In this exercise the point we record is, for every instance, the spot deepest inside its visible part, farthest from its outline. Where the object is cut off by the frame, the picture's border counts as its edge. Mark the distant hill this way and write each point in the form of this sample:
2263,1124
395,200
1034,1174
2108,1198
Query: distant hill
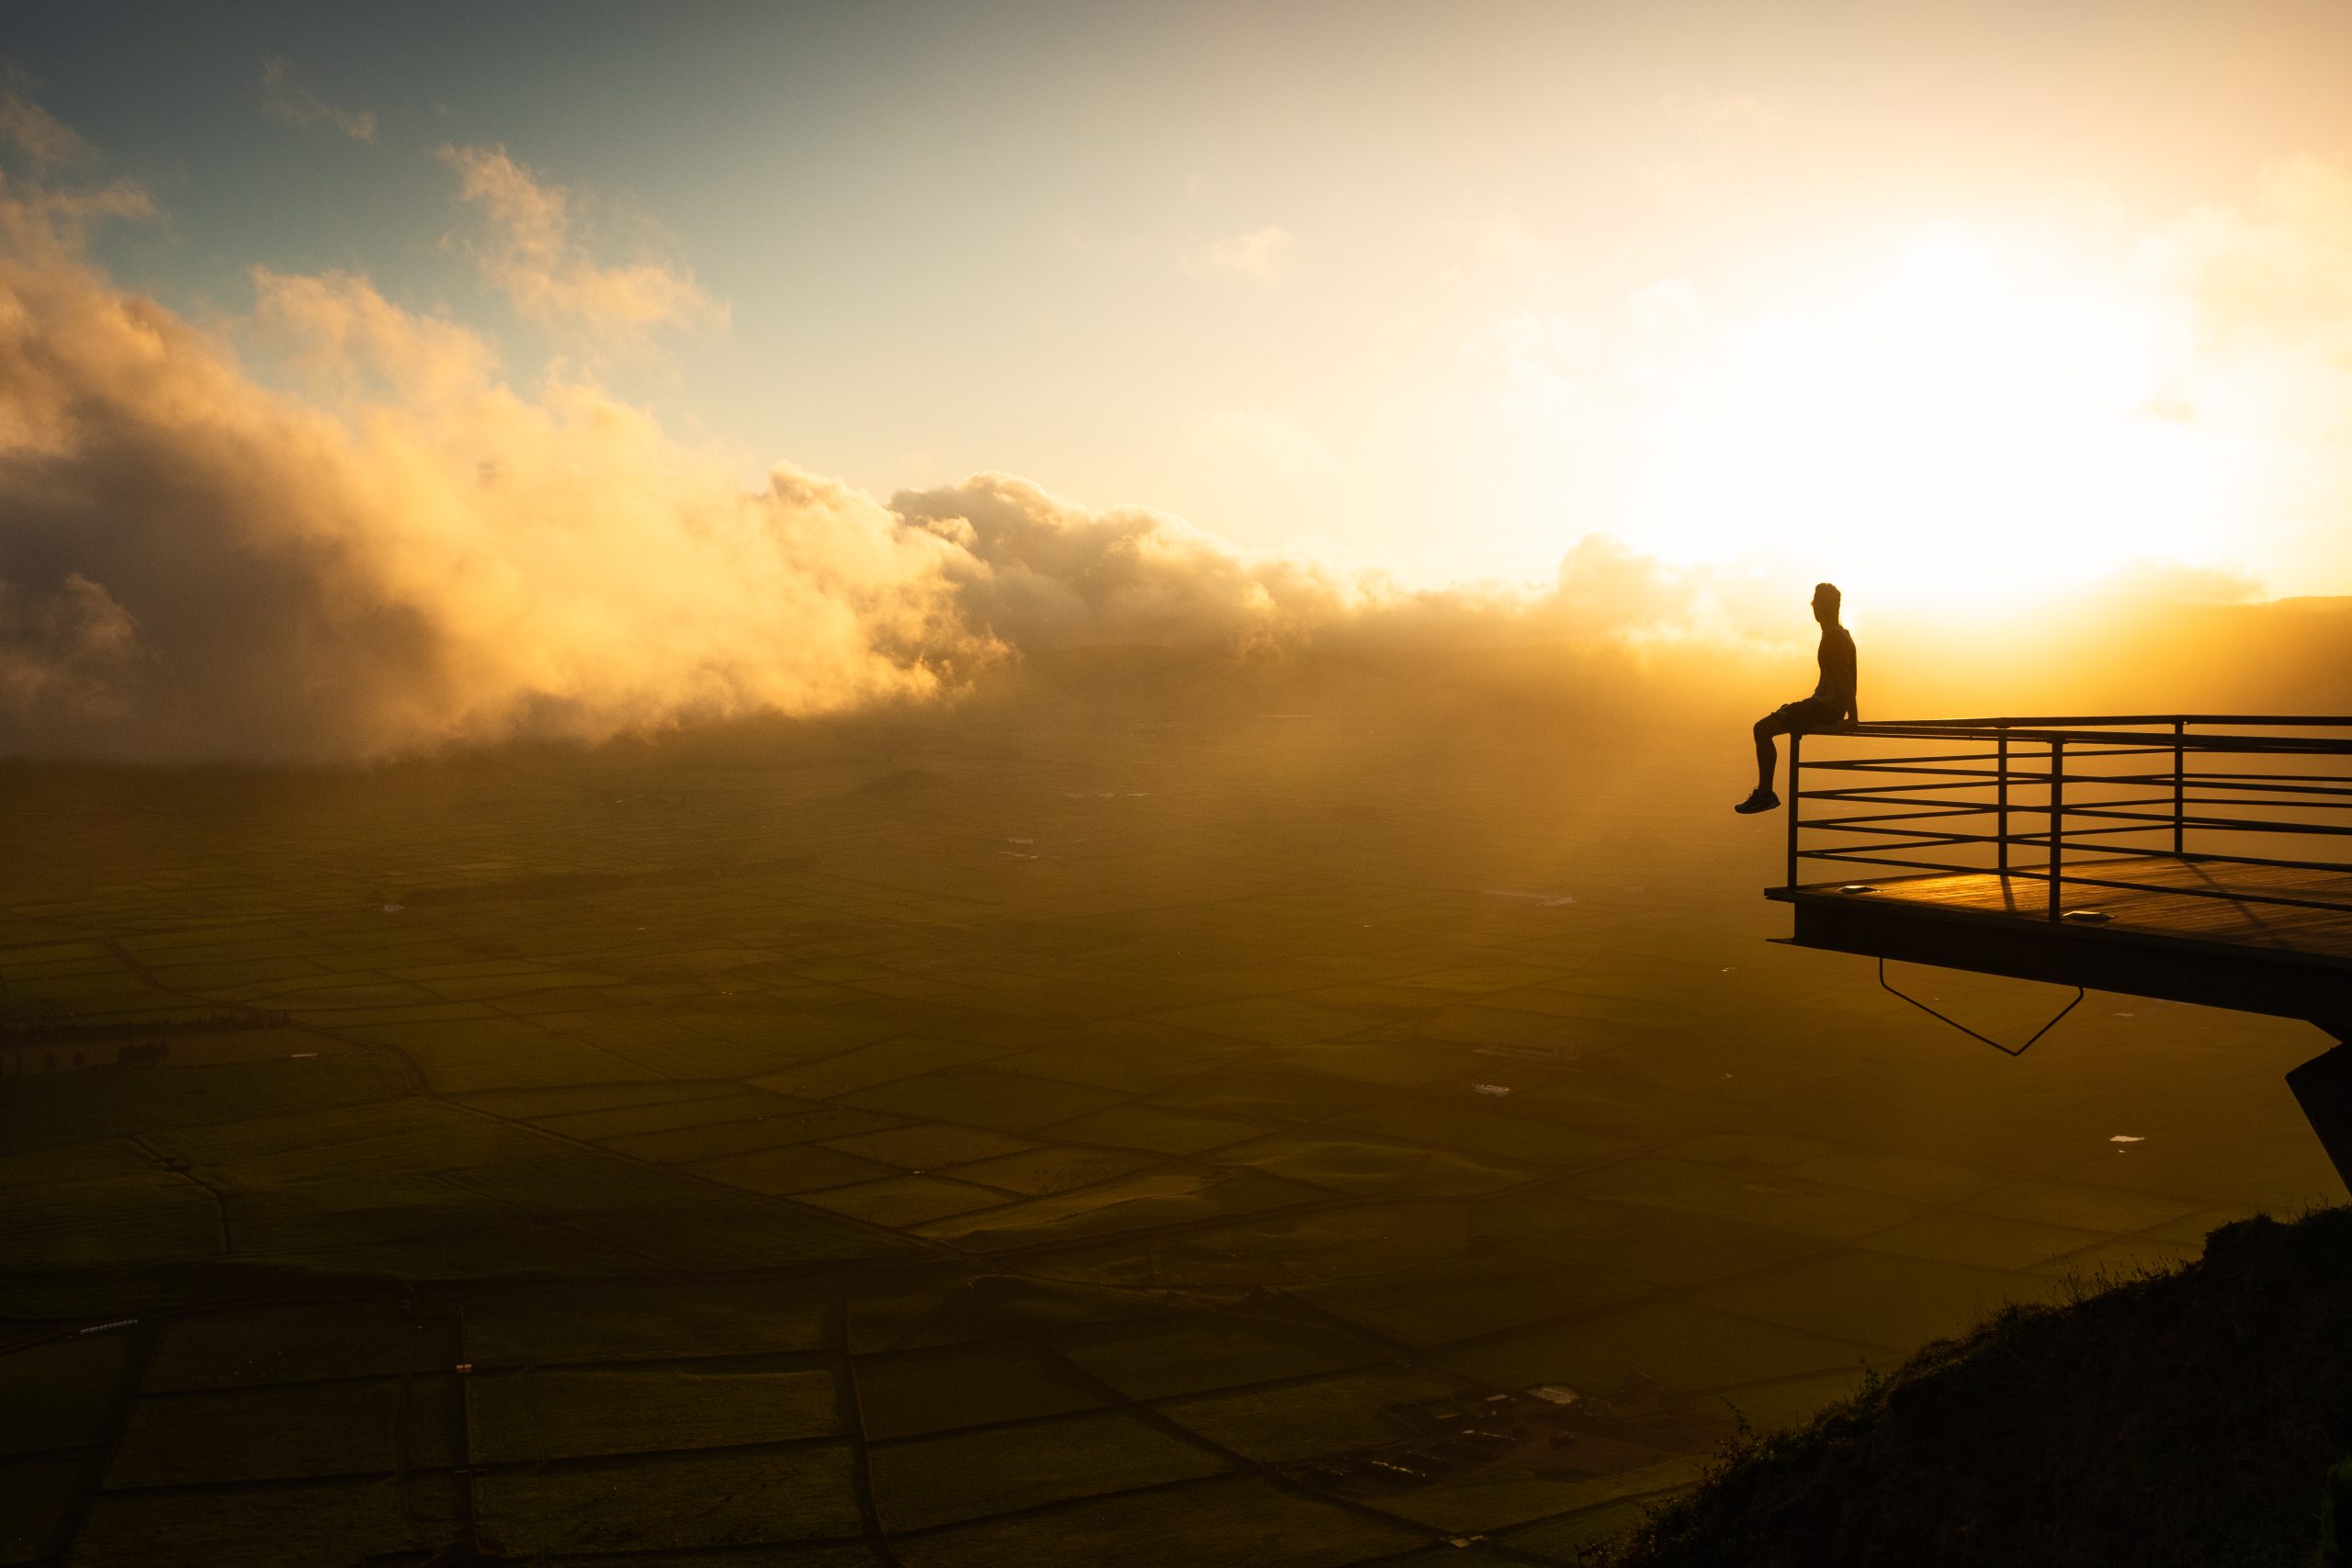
2188,1418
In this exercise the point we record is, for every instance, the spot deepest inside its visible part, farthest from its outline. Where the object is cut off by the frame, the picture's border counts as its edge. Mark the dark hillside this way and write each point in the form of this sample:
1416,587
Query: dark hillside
2190,1418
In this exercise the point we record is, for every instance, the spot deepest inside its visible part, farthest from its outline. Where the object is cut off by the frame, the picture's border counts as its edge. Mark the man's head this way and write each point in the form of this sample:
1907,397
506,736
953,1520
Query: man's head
1826,603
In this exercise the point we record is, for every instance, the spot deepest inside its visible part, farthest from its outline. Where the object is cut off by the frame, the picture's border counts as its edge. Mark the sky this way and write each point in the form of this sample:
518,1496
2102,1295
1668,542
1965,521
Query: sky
1950,302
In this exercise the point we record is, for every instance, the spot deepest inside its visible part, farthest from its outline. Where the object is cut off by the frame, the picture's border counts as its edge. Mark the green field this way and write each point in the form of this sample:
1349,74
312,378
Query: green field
976,1140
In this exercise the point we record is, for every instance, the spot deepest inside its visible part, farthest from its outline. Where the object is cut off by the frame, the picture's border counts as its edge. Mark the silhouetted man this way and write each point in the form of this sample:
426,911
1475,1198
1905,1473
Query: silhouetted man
1831,706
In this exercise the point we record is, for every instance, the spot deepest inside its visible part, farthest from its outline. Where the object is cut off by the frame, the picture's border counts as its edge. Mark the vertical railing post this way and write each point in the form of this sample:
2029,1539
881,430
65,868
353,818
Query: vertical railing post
2057,821
2179,792
2001,808
1796,803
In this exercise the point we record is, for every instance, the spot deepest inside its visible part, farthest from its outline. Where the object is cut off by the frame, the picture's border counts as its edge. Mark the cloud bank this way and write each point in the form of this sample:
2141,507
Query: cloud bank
376,543
406,551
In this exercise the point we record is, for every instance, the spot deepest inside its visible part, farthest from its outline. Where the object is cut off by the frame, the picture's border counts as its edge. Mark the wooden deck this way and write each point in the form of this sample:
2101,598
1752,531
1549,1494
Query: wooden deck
2165,935
2169,898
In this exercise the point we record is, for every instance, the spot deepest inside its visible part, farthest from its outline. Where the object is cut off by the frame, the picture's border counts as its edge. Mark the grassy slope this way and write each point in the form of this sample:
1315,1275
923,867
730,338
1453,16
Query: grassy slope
2190,1417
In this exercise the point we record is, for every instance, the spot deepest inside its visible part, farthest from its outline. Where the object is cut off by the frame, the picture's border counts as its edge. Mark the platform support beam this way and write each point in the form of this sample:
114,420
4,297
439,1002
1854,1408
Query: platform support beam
2179,787
2323,1087
2057,826
2001,805
1796,800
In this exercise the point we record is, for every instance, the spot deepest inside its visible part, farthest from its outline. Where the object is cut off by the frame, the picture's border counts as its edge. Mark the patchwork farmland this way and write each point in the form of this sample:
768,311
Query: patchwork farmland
1104,1139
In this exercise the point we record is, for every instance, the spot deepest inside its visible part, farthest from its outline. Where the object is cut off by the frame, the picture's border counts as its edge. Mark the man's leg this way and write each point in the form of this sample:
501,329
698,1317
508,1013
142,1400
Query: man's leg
1768,761
1767,755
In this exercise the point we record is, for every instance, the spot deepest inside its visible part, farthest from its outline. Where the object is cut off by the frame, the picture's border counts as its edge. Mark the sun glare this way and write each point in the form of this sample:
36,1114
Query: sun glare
1975,425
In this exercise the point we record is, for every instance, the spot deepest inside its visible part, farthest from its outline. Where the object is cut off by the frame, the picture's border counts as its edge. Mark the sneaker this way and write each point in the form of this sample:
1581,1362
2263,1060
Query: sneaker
1761,800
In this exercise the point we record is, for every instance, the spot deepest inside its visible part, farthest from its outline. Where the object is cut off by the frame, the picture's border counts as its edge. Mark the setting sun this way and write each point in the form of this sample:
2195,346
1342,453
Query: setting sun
1970,421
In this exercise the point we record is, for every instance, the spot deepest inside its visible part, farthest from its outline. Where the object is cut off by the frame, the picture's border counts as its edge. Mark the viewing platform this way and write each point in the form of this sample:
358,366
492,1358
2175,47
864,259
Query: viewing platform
2193,857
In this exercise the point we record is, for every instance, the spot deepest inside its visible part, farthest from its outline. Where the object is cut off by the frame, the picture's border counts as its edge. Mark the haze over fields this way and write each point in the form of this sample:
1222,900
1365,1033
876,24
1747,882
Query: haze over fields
949,786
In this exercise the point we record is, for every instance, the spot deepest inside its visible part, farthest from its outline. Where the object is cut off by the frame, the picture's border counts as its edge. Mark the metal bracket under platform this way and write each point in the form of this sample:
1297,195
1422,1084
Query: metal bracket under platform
1889,989
2322,1088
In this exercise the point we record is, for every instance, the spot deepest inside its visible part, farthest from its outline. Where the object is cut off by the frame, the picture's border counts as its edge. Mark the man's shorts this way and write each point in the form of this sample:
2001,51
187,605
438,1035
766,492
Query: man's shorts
1807,714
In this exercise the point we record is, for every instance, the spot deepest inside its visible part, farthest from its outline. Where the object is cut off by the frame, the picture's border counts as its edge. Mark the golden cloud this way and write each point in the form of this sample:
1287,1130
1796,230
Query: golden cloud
535,259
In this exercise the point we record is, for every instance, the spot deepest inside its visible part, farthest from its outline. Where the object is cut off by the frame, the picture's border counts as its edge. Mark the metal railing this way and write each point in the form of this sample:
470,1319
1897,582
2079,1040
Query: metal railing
2088,802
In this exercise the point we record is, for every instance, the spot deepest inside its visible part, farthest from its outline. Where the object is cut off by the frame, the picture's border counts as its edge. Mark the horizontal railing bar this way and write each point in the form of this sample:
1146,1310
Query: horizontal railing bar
2318,795
2125,731
1864,764
2329,817
1862,856
2276,778
1907,839
1859,858
1930,774
2272,783
1910,838
1899,796
1977,837
2058,721
1857,824
2221,824
2103,739
2017,763
2328,822
2331,820
2033,762
1913,838
2250,745
2317,783
1920,811
1874,792
2268,863
1895,804
2320,798
1985,764
2042,840
2130,811
1925,837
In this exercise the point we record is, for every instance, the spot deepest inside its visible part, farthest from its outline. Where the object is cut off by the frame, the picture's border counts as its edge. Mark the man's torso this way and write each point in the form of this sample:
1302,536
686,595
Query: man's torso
1836,658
